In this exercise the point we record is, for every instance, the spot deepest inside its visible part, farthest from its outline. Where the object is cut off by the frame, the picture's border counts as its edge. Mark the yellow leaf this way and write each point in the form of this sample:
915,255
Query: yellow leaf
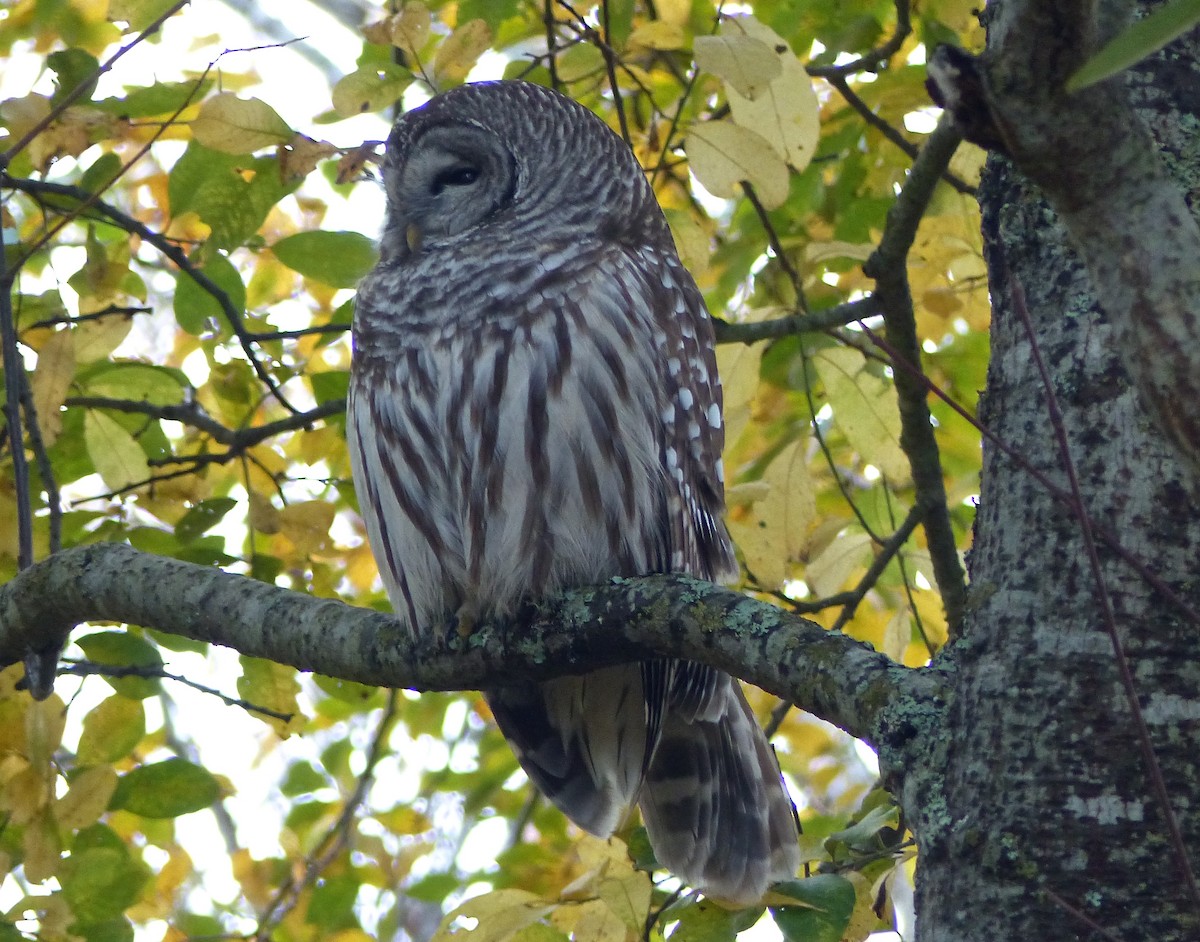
865,408
364,90
896,635
116,455
829,571
674,11
235,125
95,340
26,794
409,29
361,569
51,381
21,115
722,154
623,890
784,111
87,798
816,252
43,849
745,64
300,156
738,366
590,921
493,917
771,527
657,34
692,242
264,516
44,724
461,50
307,525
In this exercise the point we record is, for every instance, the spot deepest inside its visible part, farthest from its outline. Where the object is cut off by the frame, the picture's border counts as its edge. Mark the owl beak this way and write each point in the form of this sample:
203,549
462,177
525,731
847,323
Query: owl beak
412,236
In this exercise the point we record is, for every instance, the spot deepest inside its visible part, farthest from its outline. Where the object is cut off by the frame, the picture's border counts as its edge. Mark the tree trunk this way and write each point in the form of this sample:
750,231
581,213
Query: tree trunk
1045,821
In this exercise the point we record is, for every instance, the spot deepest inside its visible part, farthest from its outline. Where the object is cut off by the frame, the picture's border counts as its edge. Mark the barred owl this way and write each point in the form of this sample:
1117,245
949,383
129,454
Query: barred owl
534,406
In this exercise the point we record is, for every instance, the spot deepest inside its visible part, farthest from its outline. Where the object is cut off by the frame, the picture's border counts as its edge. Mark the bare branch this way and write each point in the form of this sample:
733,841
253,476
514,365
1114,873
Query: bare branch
888,266
193,415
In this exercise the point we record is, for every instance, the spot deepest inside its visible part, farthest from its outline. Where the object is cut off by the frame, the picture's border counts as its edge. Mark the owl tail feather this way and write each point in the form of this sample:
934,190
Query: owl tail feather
716,810
713,800
582,740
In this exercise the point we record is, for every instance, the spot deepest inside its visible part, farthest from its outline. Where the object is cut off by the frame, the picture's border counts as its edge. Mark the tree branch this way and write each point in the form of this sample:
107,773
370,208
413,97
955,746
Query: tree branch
827,673
837,316
888,266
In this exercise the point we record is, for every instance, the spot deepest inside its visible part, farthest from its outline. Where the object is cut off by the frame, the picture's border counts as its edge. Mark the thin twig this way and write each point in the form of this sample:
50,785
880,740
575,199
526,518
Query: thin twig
90,668
610,64
551,42
871,61
45,468
887,551
192,414
336,838
87,82
785,263
890,133
1076,913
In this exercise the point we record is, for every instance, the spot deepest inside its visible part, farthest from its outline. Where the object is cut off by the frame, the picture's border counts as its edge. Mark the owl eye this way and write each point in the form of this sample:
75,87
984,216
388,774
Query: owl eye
453,176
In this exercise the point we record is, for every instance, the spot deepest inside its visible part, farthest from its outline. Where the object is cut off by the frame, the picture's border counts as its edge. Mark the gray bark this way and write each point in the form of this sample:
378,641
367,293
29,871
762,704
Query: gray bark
1038,816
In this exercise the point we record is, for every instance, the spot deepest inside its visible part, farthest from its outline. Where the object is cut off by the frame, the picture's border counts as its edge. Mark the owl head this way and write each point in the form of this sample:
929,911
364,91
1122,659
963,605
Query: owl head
497,162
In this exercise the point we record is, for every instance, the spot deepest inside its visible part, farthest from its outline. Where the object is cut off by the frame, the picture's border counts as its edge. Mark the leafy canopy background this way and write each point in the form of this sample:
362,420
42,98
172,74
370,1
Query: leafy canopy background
181,307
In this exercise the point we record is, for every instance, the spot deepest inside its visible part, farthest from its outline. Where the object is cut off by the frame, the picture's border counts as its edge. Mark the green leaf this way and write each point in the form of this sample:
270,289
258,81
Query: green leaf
115,454
122,649
339,259
705,921
139,382
433,888
303,778
101,173
166,789
160,99
101,882
1137,42
235,125
331,906
114,930
228,192
72,66
348,691
196,308
330,384
827,904
271,686
111,730
203,517
138,13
